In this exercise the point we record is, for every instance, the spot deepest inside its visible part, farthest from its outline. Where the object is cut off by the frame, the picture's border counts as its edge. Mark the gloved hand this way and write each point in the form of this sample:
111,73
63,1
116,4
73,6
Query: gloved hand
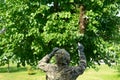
80,49
55,49
53,52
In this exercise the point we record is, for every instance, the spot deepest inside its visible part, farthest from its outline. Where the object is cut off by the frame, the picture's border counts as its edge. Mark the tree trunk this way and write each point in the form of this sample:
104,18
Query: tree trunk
82,19
56,5
8,68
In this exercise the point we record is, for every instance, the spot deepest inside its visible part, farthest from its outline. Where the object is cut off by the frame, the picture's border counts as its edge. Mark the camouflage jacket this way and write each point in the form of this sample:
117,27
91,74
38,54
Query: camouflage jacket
54,72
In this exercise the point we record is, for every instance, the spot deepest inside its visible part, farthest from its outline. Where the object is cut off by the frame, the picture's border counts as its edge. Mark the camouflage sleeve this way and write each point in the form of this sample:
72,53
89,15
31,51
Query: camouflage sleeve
44,63
78,70
82,62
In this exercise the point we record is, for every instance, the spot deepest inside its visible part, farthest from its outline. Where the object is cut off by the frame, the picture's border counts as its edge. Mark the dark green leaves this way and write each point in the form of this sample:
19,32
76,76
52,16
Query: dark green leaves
33,28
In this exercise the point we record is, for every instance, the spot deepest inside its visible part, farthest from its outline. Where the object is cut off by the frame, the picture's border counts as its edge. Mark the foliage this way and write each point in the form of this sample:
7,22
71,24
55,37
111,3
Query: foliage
34,27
